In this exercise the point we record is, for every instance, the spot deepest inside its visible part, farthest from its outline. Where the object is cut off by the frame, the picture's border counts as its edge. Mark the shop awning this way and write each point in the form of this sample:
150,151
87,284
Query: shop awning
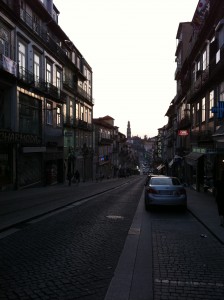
160,167
193,157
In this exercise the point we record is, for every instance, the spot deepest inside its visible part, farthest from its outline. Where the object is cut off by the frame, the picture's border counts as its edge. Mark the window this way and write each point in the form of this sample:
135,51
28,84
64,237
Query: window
203,110
22,58
82,113
211,103
71,111
29,114
193,116
36,67
197,113
58,118
4,41
198,65
85,71
36,23
182,111
58,80
221,91
86,115
78,62
204,60
48,72
89,77
90,117
73,58
49,115
77,111
64,111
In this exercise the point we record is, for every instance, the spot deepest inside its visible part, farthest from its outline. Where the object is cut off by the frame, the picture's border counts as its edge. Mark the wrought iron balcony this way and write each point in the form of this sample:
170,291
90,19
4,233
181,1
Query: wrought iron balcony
25,75
83,94
80,124
68,84
42,86
8,65
105,141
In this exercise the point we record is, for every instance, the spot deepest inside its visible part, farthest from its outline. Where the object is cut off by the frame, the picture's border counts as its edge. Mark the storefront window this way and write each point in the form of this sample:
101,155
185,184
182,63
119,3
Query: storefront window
29,114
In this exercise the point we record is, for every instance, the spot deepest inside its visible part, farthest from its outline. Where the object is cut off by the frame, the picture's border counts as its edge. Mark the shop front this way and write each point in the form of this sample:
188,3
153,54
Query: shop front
21,157
194,170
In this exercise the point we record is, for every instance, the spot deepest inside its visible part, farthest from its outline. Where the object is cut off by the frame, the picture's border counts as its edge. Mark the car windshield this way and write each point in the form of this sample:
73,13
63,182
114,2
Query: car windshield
164,181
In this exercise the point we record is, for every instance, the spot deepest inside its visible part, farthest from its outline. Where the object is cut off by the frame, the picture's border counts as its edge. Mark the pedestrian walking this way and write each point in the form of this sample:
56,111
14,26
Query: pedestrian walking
219,197
77,177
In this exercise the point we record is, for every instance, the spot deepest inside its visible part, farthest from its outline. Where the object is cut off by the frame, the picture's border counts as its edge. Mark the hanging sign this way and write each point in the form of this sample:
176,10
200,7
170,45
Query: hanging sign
183,132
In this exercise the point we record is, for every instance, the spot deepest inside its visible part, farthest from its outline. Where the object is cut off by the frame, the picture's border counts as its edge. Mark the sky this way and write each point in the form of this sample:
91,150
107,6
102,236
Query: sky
130,46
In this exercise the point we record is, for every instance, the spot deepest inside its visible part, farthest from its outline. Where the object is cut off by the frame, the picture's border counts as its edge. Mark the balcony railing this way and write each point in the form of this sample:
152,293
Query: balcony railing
83,125
84,94
105,141
8,65
40,85
68,83
25,75
47,39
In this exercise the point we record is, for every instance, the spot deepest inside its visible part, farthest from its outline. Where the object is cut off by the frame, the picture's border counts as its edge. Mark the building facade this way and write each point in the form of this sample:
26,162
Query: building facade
45,96
195,127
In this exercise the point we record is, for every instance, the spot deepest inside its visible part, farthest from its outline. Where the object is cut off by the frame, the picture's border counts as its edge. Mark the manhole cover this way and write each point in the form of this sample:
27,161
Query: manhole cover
134,231
115,217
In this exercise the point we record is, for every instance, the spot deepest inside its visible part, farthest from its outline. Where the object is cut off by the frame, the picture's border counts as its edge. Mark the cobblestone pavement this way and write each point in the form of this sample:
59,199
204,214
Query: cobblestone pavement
188,262
72,254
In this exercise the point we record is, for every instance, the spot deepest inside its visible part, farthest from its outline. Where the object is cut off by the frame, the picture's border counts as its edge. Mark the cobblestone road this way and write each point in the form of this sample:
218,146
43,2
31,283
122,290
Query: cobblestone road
188,262
71,255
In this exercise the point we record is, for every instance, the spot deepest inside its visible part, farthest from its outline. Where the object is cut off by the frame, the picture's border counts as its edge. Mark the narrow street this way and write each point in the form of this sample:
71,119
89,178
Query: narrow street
74,252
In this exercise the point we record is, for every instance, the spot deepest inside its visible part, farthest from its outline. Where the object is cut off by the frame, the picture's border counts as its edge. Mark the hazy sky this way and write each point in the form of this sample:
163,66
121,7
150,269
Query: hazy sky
130,45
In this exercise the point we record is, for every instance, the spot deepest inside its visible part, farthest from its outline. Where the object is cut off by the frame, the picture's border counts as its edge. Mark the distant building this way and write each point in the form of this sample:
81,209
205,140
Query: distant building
128,130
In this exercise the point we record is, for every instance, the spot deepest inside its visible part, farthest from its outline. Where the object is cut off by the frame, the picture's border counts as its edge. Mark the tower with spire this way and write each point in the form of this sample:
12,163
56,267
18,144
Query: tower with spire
129,130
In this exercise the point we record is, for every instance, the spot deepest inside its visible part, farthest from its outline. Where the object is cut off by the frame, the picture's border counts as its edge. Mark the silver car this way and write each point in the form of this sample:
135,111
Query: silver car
165,190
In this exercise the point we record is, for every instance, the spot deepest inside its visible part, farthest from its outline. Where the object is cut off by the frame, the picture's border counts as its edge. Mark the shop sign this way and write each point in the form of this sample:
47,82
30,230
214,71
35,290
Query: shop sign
218,110
20,138
199,150
183,132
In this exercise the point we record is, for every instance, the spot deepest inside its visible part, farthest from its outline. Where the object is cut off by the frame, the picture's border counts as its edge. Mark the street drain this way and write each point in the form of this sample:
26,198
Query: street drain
115,217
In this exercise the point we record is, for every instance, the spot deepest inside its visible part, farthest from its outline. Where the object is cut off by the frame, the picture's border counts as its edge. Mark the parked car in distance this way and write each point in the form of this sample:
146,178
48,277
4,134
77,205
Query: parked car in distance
165,190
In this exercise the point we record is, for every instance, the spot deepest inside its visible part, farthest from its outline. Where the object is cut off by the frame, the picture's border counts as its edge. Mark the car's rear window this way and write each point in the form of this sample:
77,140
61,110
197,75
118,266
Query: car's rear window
164,181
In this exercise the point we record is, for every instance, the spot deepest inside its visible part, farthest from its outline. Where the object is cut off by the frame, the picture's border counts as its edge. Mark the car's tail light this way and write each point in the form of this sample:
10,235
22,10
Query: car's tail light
152,191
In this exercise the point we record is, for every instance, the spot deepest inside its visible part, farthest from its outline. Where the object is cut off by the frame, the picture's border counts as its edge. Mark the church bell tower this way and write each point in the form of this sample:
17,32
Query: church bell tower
129,130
